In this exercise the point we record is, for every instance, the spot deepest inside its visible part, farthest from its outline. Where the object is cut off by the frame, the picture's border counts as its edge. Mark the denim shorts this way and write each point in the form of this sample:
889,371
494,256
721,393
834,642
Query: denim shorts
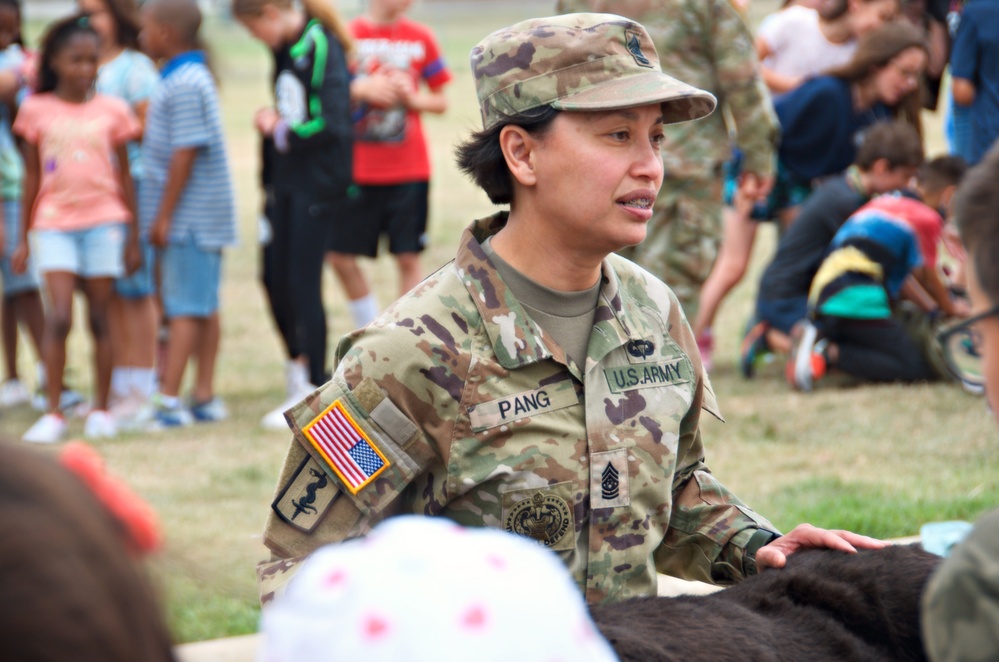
13,283
143,282
190,278
95,252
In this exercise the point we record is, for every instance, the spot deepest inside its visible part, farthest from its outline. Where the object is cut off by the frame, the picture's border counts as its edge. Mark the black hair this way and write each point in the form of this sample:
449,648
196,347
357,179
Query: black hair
892,140
54,41
941,172
976,208
481,158
16,6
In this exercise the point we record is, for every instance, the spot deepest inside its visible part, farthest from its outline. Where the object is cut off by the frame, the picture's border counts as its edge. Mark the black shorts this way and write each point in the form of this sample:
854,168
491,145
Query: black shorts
396,210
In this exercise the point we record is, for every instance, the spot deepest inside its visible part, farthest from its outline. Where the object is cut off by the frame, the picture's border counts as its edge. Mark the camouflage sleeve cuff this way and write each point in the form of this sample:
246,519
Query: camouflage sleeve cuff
761,538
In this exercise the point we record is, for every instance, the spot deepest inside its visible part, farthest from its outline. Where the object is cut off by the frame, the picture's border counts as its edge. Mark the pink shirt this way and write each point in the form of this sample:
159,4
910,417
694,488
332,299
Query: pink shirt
80,186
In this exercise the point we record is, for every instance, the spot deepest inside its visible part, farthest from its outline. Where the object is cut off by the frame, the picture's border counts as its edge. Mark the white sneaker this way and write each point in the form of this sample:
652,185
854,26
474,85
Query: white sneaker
13,392
70,401
274,419
48,429
296,379
100,425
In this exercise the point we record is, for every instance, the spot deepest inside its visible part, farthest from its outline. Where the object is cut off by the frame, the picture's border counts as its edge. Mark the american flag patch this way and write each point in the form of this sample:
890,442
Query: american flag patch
345,447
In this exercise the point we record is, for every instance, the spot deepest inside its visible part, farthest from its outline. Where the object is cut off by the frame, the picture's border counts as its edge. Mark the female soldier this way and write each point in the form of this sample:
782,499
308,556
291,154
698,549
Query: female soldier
539,383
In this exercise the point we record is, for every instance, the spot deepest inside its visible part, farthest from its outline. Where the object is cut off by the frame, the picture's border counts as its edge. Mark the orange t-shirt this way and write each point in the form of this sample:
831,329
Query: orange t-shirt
79,184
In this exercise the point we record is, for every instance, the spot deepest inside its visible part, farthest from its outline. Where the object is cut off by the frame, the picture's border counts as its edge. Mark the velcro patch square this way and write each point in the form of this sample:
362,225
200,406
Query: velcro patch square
338,438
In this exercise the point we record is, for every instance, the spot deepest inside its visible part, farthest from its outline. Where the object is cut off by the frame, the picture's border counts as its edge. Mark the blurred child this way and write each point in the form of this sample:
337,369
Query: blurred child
884,252
395,57
790,57
886,161
129,75
797,43
309,154
70,538
22,302
79,208
187,199
975,71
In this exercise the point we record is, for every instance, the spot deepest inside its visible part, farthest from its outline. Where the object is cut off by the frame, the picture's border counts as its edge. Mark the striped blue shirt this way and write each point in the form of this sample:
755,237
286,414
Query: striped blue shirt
184,113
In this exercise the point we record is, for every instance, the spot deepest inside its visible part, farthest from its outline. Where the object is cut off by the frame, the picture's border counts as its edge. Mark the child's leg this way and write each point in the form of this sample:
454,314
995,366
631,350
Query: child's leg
59,286
191,279
210,334
410,271
406,211
9,332
184,332
28,310
877,350
738,237
98,292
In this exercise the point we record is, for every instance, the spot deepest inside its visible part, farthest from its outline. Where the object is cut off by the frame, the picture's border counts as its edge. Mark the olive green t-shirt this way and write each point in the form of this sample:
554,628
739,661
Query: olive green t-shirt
566,316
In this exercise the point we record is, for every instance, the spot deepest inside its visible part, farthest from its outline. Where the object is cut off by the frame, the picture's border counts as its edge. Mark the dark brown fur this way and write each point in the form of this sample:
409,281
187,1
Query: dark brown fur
824,605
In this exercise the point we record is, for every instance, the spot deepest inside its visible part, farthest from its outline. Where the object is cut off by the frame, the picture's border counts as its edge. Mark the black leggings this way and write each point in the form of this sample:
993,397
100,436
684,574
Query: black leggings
292,276
875,350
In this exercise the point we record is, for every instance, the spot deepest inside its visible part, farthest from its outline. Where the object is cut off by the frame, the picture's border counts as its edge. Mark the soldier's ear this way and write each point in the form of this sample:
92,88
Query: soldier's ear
518,148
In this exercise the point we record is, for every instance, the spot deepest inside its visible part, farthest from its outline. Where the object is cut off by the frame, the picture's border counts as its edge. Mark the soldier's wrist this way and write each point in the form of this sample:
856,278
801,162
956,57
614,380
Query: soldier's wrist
760,539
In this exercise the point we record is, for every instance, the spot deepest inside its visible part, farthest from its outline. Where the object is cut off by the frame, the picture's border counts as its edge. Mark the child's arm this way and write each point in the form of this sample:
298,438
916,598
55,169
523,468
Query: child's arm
416,99
934,294
133,254
32,174
964,91
776,83
181,165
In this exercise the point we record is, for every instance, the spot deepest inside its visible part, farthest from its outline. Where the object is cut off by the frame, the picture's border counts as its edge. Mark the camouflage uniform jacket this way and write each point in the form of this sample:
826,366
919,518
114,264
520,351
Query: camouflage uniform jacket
464,408
707,44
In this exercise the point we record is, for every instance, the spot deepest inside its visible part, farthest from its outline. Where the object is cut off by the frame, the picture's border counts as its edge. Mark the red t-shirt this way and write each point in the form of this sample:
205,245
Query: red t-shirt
389,147
924,220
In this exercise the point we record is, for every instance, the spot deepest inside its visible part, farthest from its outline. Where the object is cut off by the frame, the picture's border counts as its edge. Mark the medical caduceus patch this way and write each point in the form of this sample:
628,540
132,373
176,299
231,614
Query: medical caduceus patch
350,452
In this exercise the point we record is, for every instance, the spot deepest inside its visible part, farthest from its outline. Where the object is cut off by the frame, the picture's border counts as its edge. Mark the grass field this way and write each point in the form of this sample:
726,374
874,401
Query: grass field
880,460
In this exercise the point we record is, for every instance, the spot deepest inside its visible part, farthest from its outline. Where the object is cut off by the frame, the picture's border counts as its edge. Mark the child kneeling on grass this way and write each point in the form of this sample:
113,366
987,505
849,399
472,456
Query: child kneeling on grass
886,160
187,190
886,251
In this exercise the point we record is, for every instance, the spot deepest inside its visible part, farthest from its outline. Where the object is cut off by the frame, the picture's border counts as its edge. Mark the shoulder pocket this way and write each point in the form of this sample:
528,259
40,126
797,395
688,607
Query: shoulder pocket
359,438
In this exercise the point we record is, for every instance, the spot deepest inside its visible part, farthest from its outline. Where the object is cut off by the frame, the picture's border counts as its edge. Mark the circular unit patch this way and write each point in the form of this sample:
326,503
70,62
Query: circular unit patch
543,517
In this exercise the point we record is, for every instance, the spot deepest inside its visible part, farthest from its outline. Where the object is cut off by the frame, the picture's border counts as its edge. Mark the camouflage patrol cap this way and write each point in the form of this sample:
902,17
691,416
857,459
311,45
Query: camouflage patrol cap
577,62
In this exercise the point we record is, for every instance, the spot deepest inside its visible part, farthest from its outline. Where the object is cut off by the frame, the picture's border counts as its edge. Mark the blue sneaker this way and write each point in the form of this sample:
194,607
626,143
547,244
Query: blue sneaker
166,416
753,347
210,412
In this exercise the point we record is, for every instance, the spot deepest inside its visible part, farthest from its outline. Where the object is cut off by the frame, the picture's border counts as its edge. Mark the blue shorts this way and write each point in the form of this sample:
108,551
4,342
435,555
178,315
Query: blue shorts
95,252
782,314
14,284
189,280
143,282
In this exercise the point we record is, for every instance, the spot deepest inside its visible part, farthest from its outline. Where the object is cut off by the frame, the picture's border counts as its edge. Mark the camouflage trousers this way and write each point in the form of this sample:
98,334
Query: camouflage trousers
683,237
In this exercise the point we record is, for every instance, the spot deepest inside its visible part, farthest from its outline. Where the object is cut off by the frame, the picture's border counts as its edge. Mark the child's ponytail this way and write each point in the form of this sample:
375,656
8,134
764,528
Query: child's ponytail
324,12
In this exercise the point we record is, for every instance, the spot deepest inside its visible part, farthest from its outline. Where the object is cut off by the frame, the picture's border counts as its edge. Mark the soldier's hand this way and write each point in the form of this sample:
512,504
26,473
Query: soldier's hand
806,536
